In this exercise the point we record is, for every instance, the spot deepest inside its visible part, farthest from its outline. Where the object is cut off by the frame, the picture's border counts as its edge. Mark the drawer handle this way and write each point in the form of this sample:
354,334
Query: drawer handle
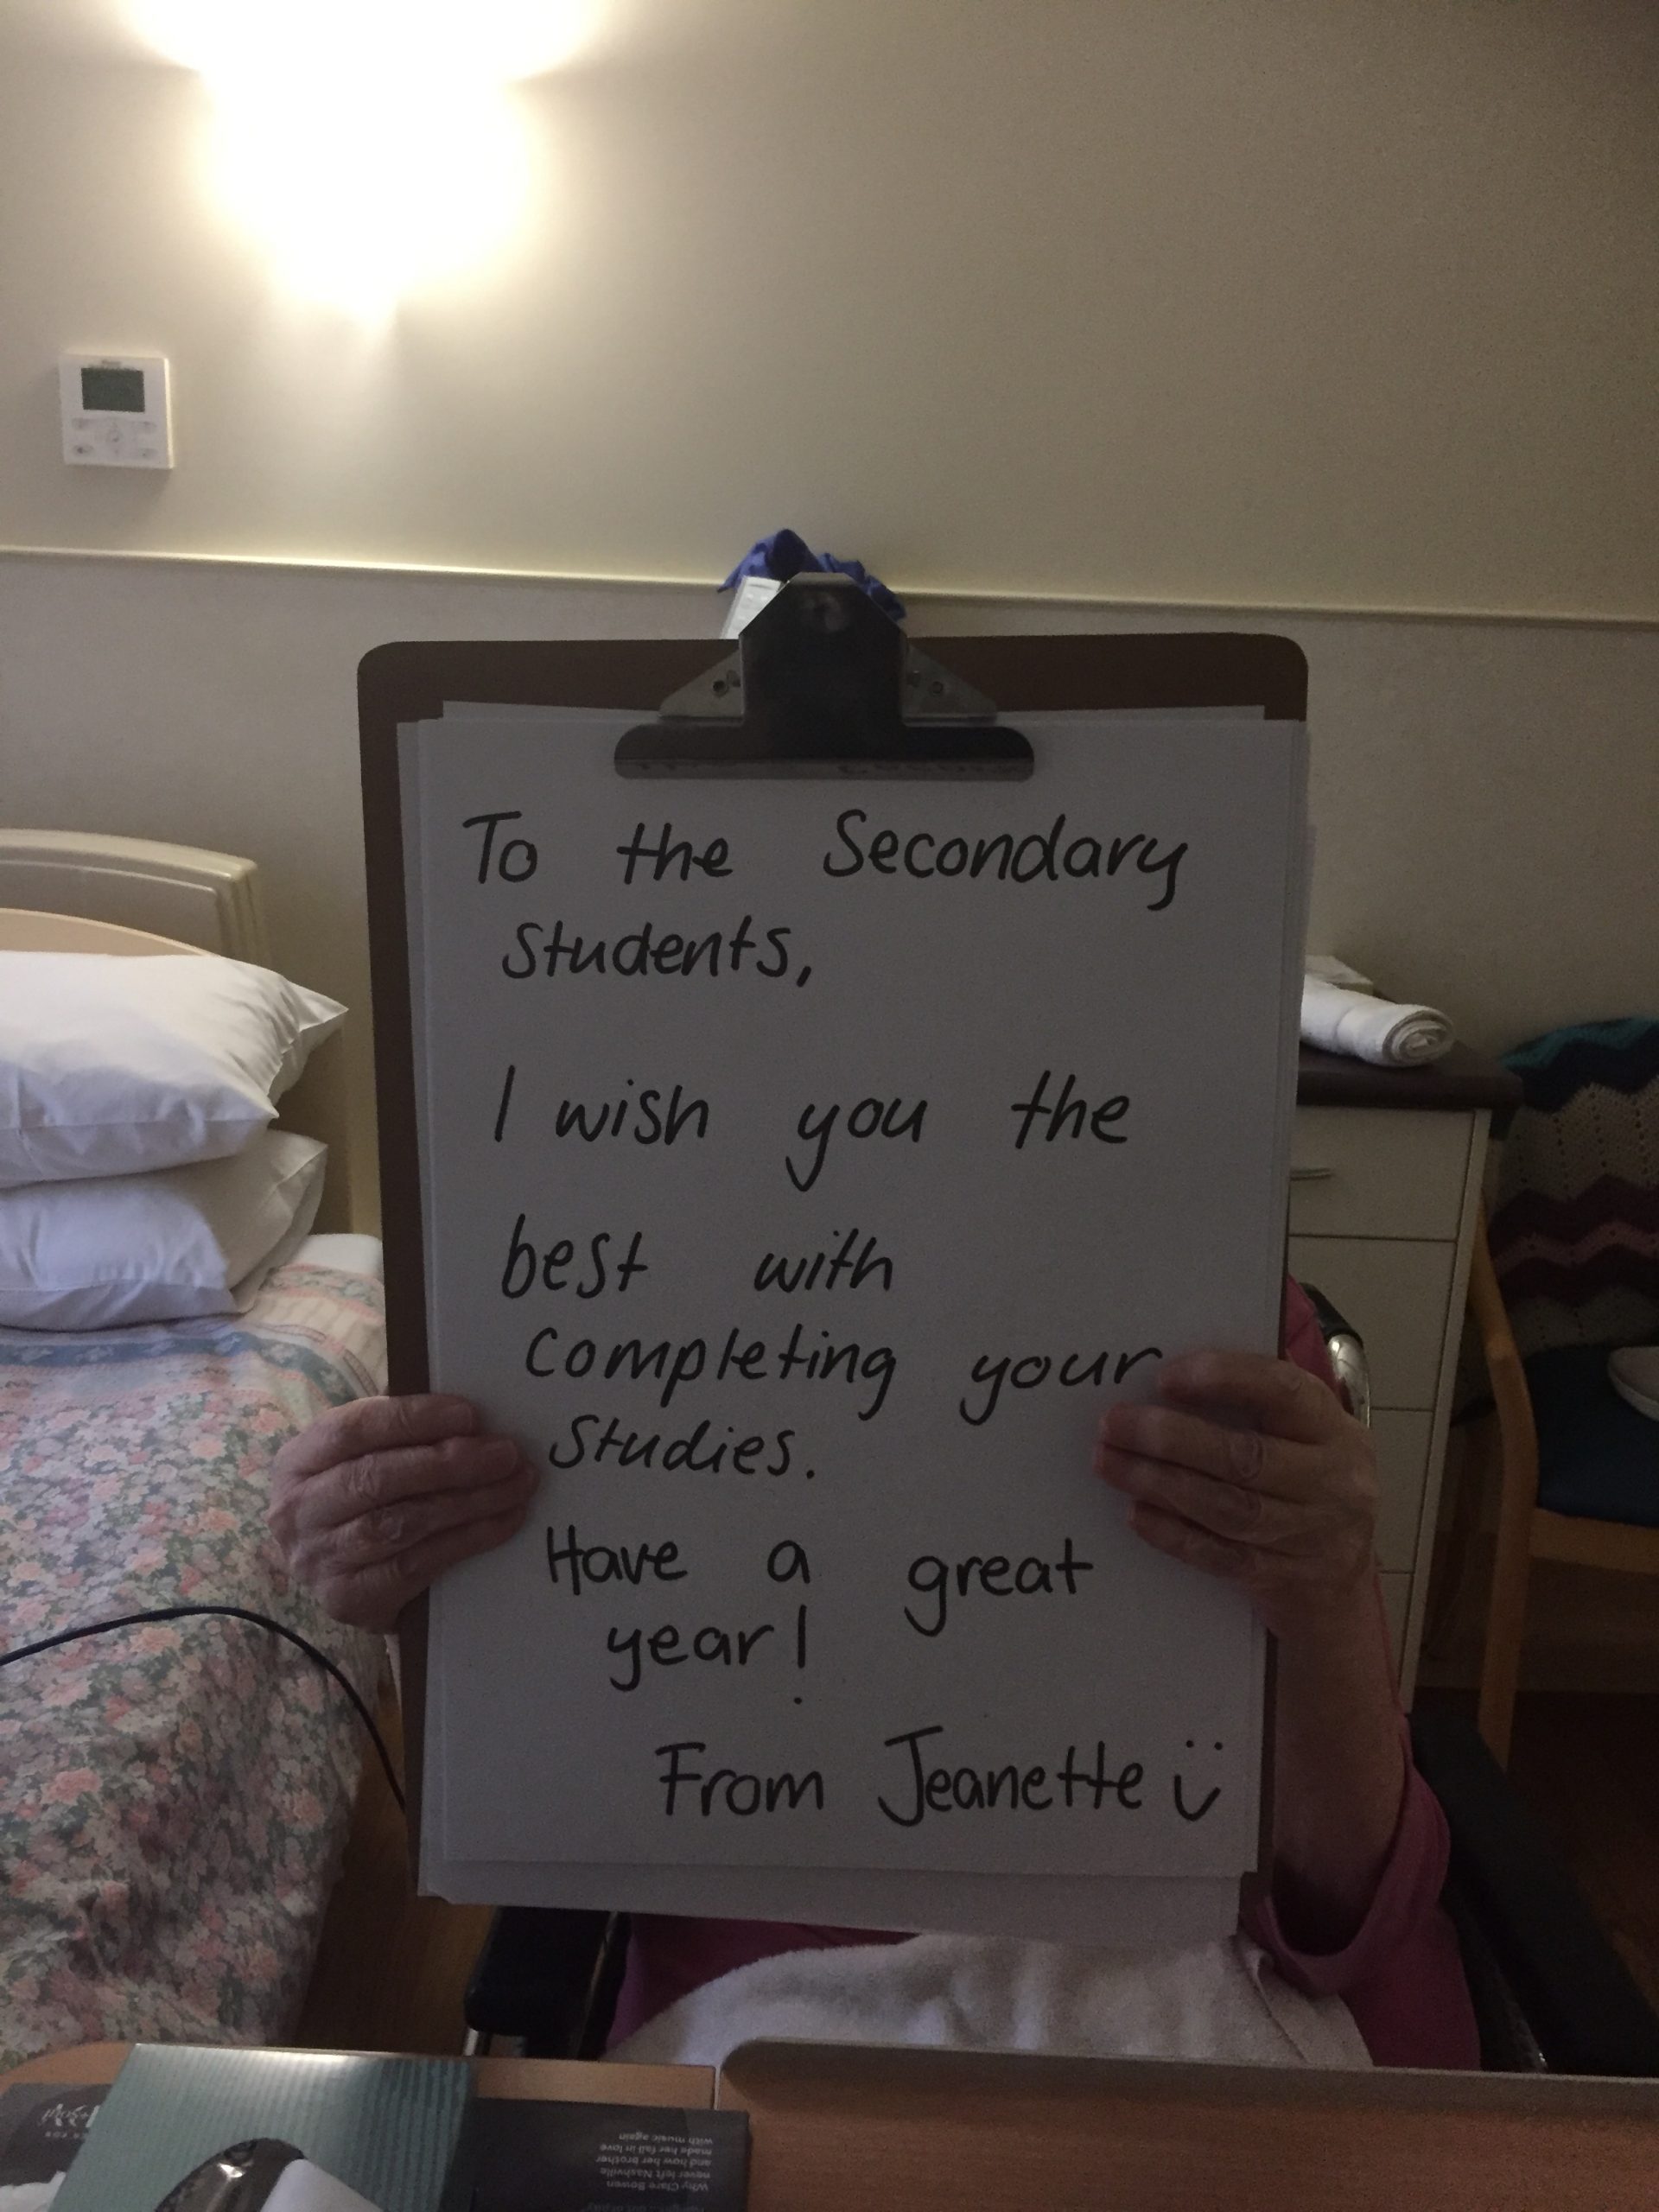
1312,1174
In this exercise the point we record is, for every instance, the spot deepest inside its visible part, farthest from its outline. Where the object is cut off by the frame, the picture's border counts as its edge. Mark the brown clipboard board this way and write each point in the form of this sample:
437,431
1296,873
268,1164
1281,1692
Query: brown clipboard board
402,684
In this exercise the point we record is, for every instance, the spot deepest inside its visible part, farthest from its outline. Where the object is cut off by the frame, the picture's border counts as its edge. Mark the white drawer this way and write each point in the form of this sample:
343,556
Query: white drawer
1401,1442
1395,1294
1361,1170
1396,1604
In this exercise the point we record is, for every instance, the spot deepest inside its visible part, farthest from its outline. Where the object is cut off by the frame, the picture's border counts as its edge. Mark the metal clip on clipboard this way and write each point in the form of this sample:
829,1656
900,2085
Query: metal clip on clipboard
824,685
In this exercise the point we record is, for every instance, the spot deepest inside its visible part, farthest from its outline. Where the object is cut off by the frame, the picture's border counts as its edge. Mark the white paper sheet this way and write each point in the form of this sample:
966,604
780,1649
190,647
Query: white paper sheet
1138,980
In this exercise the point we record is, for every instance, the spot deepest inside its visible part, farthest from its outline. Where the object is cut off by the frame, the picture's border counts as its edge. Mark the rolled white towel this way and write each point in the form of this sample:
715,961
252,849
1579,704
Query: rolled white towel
1372,1029
1327,968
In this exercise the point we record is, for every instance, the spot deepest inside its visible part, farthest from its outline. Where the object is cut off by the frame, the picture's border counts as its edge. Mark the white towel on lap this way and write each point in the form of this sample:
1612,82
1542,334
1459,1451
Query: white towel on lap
1372,1029
1221,2002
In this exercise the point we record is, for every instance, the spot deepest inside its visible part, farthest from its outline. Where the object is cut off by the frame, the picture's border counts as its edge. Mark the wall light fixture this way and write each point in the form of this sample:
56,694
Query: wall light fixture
371,147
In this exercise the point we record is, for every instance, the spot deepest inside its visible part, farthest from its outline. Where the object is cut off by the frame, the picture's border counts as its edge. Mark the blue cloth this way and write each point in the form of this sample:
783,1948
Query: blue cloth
1621,1056
1598,1458
786,554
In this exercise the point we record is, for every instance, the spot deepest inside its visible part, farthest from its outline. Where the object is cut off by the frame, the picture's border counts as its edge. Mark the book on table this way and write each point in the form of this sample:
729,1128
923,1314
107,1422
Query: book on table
398,2134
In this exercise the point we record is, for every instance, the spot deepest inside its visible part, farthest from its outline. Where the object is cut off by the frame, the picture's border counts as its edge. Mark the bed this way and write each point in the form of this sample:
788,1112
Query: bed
173,1798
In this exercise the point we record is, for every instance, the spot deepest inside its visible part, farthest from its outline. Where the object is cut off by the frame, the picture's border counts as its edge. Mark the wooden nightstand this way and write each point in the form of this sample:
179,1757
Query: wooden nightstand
1386,1168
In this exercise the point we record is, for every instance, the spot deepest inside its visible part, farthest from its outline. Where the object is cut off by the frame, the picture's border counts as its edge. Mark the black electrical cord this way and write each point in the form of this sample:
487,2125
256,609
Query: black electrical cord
228,1613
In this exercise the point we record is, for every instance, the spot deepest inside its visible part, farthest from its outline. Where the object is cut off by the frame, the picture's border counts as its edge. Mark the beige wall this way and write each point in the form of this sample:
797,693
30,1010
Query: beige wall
1161,303
1486,794
1249,302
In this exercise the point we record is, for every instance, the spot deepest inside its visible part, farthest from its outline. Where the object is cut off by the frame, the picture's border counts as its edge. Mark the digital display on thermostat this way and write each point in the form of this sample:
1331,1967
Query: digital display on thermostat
115,390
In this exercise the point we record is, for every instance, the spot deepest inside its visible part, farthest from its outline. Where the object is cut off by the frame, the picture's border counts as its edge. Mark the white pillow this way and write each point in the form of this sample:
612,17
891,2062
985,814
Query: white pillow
110,1066
169,1246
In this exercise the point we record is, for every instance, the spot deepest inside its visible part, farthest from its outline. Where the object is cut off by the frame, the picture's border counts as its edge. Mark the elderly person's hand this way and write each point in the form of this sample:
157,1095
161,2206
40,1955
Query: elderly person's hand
372,1502
1286,1507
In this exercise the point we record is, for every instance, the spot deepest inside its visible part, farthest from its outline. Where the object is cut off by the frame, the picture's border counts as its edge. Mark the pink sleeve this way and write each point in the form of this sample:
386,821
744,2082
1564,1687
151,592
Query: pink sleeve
1400,1975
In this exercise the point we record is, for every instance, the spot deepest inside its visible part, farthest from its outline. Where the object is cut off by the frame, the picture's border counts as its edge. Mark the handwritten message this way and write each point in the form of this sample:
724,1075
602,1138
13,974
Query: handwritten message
808,1168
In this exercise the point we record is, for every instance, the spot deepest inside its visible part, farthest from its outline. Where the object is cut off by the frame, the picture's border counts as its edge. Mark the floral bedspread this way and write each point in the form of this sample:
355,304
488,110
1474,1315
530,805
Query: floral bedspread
173,1799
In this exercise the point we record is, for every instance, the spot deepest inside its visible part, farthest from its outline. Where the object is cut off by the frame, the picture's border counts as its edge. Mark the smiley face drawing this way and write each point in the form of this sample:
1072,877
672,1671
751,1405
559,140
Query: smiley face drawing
1194,1812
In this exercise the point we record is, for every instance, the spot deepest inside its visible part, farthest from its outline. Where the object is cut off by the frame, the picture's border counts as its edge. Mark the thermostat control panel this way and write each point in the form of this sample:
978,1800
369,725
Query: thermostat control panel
115,410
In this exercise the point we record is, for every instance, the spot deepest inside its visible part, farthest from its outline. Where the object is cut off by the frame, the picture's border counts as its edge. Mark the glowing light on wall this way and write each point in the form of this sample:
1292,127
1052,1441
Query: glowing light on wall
371,147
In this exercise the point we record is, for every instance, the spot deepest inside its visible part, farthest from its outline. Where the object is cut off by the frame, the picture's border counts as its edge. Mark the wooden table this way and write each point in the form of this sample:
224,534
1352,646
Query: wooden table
955,2132
919,2130
555,2080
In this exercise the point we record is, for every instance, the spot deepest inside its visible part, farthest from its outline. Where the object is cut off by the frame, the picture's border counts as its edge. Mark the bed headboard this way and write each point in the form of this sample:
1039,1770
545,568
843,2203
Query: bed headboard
208,900
64,890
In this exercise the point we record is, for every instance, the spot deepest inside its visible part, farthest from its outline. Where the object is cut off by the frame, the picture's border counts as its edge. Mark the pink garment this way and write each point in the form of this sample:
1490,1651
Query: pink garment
1401,1976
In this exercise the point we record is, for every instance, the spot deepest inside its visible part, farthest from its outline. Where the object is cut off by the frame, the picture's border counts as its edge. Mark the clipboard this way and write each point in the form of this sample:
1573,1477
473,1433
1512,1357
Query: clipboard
862,730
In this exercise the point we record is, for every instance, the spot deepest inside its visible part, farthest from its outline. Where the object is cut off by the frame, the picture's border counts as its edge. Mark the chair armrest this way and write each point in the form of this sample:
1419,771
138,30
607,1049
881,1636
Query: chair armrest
1578,1997
1345,1350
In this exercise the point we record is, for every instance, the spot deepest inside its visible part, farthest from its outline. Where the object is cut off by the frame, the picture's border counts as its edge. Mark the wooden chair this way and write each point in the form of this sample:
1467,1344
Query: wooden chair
1526,1530
1569,1267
